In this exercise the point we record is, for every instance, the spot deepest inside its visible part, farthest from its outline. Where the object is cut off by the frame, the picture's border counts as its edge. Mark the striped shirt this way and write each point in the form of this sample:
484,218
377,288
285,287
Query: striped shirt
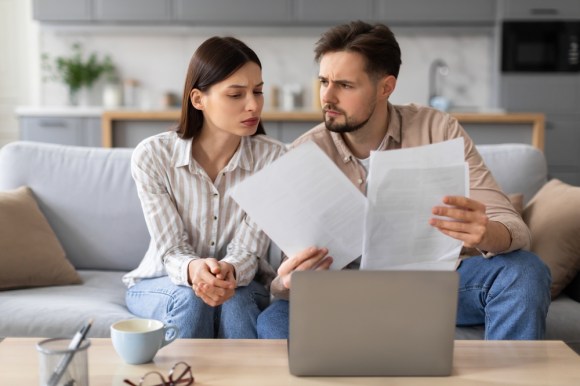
189,216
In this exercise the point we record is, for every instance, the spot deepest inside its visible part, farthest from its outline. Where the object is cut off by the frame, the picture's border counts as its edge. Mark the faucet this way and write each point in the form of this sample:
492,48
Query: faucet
437,71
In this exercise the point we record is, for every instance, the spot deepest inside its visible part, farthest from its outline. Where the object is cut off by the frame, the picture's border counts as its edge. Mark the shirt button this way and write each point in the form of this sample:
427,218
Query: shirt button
346,159
360,180
215,217
215,194
212,243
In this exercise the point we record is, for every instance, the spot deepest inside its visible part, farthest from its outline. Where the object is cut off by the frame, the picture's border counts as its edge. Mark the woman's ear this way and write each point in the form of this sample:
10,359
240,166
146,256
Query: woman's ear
195,96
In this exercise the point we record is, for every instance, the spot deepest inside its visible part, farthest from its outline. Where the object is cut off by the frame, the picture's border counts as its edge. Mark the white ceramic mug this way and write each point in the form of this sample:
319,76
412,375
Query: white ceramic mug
138,340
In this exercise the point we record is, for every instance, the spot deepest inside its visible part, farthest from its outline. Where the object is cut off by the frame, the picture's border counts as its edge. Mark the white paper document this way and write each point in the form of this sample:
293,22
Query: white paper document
403,186
303,200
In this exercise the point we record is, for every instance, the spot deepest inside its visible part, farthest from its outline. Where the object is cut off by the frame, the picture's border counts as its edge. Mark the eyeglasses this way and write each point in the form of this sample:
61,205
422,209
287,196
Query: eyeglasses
179,375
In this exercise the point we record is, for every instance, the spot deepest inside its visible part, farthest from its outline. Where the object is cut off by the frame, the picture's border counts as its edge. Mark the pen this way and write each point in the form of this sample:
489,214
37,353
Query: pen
72,347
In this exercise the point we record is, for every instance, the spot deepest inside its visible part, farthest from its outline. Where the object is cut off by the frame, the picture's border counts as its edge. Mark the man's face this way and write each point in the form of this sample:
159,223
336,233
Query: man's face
347,94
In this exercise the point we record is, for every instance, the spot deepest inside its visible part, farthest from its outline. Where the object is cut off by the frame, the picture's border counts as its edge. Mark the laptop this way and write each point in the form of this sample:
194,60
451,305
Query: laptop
372,323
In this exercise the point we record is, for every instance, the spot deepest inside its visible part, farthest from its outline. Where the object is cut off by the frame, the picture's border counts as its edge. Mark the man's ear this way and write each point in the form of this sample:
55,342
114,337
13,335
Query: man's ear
196,99
387,86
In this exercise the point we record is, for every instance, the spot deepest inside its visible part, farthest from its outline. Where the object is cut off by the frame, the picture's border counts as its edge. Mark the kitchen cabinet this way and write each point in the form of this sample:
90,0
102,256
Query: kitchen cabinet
286,131
562,147
266,12
132,10
558,97
250,12
529,92
540,9
430,12
62,10
327,11
76,131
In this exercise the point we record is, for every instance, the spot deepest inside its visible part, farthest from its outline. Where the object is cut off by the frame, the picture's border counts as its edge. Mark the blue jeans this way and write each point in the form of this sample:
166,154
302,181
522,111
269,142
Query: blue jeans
160,299
509,294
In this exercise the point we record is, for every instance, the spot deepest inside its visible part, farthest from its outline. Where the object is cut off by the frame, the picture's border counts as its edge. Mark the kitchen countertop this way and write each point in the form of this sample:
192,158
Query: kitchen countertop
537,120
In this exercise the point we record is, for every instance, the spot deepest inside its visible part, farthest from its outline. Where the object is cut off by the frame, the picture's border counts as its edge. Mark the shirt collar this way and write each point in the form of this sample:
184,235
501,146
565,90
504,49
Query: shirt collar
393,132
242,158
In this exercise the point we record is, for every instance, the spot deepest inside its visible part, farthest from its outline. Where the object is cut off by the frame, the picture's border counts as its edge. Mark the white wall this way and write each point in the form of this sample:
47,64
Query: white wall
158,58
19,70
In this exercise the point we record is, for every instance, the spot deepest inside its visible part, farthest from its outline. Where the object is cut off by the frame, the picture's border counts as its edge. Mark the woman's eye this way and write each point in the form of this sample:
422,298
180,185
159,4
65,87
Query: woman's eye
235,95
258,92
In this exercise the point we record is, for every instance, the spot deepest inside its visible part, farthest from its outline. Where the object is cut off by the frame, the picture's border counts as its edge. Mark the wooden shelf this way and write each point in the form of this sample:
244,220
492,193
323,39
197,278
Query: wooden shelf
110,116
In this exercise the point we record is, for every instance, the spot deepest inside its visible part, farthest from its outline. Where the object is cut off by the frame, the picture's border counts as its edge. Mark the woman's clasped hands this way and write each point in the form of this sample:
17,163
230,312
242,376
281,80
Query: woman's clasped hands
213,281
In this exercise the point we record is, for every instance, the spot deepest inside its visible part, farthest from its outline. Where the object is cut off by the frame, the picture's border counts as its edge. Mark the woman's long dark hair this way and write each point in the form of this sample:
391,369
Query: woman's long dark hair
215,60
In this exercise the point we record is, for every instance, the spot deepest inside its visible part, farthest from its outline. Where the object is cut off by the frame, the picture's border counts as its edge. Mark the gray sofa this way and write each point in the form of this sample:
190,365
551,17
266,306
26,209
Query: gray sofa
90,201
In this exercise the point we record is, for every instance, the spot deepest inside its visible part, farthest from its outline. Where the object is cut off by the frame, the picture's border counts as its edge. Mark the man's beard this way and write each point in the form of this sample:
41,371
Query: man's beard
349,125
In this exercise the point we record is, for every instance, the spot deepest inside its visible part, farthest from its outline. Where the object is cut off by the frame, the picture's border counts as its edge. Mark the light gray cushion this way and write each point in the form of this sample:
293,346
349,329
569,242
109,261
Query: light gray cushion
59,311
517,168
88,197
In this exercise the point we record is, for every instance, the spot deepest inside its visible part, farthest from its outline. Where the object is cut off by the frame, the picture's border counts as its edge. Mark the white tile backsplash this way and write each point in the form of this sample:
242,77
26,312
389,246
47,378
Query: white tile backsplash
159,60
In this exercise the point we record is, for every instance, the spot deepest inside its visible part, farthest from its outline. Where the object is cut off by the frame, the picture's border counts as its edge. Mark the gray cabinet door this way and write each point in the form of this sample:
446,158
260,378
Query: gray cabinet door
539,92
233,12
61,10
436,12
132,10
332,12
75,131
540,9
563,140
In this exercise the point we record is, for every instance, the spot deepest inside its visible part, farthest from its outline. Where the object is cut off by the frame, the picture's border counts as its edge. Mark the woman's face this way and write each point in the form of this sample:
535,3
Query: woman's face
233,105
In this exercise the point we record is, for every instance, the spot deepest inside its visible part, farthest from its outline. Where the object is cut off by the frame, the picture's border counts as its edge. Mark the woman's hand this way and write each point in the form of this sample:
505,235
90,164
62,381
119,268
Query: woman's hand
311,258
213,281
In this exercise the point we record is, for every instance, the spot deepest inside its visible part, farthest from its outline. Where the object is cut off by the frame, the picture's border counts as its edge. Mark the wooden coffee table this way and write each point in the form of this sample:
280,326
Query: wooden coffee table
265,362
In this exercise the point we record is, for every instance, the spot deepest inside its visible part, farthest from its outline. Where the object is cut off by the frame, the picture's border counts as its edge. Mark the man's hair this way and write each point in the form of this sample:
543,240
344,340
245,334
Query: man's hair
375,42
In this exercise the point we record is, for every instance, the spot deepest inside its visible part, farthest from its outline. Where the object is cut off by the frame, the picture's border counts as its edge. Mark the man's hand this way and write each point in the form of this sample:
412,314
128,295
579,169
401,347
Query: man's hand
211,280
311,258
467,220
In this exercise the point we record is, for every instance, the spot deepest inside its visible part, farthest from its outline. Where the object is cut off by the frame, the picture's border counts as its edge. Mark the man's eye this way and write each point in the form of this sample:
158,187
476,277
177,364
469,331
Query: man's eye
324,82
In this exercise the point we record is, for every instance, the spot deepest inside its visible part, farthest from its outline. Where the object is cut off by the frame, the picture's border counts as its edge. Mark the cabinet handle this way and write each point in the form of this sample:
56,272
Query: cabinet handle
544,11
53,124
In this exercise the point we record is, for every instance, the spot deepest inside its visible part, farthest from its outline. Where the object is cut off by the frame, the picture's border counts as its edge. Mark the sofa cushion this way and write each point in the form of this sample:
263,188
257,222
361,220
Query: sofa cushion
30,253
59,311
553,216
88,197
517,168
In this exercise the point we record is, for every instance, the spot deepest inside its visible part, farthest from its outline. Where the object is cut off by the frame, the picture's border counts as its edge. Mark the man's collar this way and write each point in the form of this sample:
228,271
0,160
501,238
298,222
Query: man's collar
393,131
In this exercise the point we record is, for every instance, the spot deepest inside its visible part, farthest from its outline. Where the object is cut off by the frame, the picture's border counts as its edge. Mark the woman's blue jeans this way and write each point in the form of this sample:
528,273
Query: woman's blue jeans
160,299
509,294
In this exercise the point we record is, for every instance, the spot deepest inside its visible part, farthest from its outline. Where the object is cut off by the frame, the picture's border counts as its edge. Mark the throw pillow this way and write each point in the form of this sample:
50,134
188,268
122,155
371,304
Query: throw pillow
30,253
553,216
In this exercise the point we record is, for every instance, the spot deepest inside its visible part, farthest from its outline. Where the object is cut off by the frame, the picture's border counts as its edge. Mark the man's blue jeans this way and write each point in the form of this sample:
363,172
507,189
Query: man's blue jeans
160,299
509,294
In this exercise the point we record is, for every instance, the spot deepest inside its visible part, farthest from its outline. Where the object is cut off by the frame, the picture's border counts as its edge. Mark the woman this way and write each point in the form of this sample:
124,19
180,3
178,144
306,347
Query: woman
204,253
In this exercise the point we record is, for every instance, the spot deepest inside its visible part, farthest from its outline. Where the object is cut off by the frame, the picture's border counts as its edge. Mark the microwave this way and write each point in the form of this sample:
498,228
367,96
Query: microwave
540,46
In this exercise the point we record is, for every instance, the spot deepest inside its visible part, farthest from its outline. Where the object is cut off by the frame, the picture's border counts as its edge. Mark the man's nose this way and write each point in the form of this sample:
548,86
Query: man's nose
328,94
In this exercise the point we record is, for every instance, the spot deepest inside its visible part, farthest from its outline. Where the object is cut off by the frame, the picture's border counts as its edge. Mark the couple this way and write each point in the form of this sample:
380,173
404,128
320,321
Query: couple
205,270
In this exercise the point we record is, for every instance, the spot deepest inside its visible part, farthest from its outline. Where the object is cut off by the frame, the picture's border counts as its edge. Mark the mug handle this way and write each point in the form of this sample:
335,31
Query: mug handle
173,336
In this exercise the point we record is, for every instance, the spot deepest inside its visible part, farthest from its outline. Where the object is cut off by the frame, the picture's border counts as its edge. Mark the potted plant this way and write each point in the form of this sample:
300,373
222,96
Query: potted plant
76,71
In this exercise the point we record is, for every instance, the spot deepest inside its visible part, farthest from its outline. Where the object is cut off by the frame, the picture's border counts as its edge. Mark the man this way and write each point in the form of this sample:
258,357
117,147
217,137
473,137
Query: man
501,286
